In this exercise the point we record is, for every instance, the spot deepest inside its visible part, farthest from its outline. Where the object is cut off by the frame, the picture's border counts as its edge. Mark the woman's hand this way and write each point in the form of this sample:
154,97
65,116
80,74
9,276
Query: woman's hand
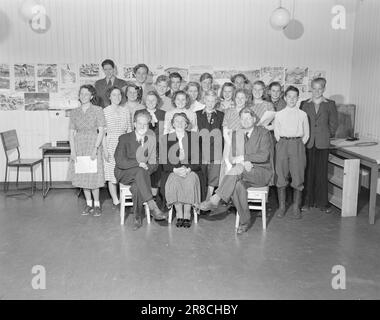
94,153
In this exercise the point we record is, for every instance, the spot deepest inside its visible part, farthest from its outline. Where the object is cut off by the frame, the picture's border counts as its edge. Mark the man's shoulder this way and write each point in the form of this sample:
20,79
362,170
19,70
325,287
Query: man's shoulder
127,136
100,82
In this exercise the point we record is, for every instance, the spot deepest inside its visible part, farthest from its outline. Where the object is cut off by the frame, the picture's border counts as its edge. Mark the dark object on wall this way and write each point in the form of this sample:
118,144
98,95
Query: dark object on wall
346,120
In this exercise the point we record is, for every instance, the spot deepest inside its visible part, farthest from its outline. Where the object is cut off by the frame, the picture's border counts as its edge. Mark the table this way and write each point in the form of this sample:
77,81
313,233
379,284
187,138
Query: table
62,150
369,157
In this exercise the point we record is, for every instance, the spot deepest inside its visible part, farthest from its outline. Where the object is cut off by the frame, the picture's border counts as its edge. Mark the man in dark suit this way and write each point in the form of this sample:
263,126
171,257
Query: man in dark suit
323,120
136,160
210,126
109,81
250,155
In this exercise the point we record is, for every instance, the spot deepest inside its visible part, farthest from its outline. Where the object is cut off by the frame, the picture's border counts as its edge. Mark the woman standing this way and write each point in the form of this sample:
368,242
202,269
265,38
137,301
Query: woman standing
260,106
116,117
193,89
133,95
86,133
226,97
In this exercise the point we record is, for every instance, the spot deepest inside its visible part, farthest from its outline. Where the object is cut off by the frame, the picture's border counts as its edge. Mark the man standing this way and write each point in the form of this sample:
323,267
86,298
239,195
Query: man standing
136,160
109,81
323,119
252,167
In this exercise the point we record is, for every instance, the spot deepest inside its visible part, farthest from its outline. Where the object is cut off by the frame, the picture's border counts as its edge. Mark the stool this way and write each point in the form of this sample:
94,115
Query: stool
126,201
259,196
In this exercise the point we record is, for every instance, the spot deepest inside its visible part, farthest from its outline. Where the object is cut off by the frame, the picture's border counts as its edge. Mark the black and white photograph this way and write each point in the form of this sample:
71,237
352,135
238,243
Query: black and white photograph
190,157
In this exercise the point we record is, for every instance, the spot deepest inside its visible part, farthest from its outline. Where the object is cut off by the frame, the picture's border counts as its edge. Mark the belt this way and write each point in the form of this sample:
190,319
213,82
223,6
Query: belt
291,138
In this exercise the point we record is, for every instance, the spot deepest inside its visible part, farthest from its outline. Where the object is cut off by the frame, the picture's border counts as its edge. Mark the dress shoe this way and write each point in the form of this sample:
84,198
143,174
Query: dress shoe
115,207
155,211
186,223
179,223
137,224
87,210
325,210
97,211
221,208
242,228
207,205
305,208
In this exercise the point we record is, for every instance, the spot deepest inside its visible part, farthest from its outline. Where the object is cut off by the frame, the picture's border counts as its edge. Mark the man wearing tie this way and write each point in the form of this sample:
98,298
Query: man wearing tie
109,81
136,160
323,119
251,168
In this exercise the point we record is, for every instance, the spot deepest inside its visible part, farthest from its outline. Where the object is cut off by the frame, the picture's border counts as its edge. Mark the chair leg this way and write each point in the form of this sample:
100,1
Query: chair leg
264,213
32,179
43,177
170,215
18,169
122,207
147,212
195,211
6,179
237,221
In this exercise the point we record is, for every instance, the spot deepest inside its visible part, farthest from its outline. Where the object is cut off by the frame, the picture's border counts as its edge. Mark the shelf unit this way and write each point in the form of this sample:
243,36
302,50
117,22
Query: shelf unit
343,176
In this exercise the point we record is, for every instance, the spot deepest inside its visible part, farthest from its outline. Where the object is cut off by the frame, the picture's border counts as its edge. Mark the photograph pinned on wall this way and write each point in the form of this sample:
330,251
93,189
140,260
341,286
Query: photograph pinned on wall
5,83
223,76
47,85
36,101
315,74
195,72
127,72
87,81
4,70
45,70
271,74
66,98
89,70
12,102
156,72
296,75
24,77
303,89
184,72
68,74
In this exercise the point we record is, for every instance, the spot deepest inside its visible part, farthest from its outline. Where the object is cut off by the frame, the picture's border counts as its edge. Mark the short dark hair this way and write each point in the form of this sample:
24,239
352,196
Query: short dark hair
275,84
205,76
94,99
140,65
109,62
175,75
142,113
109,91
159,100
188,100
241,75
292,88
248,110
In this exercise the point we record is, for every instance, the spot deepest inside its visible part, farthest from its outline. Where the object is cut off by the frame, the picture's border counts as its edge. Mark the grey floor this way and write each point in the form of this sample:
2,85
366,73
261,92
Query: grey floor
96,258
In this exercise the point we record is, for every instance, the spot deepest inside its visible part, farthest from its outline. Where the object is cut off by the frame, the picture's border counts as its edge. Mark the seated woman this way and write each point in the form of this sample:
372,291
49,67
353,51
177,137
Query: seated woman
181,101
182,176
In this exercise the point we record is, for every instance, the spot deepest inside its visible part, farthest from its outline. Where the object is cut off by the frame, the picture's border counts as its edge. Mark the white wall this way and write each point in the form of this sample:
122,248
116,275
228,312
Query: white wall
222,33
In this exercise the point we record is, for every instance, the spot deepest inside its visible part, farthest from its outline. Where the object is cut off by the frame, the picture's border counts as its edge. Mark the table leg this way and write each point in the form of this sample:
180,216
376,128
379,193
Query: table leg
373,192
50,171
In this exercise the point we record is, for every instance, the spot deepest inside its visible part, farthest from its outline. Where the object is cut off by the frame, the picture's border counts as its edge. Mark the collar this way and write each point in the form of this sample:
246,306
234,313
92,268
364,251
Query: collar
139,137
112,80
151,111
205,111
249,133
322,100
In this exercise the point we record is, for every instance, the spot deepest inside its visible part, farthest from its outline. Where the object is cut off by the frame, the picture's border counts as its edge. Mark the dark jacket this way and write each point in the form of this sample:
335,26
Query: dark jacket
158,128
323,124
216,123
101,87
169,160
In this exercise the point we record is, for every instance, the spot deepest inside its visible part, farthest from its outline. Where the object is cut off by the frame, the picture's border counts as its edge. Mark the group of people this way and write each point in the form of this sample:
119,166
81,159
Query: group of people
191,147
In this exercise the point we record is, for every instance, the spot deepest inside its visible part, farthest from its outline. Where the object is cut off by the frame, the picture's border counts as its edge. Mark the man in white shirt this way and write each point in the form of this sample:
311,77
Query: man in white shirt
291,130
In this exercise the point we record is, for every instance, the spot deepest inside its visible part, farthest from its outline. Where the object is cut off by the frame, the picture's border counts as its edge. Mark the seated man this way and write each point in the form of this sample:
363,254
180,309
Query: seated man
252,167
135,158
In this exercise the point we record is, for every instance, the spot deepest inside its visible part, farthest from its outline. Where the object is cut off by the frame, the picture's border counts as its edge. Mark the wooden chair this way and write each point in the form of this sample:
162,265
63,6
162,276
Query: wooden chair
257,198
126,201
10,143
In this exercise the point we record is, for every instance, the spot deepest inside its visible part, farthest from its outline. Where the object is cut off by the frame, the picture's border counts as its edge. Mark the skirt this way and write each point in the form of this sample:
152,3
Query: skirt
183,190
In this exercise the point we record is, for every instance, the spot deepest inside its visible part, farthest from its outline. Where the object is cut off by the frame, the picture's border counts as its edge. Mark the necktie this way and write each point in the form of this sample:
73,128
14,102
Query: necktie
109,83
246,137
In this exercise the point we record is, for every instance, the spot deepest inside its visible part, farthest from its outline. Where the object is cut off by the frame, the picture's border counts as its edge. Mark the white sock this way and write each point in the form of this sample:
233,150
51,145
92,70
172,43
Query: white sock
89,203
97,203
116,202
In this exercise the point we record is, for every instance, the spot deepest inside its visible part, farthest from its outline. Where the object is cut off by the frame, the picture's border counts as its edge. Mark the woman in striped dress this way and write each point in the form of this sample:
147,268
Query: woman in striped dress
116,116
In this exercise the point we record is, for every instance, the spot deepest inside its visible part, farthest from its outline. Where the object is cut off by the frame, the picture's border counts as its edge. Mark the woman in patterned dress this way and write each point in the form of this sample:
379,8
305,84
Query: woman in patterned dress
86,133
116,116
231,122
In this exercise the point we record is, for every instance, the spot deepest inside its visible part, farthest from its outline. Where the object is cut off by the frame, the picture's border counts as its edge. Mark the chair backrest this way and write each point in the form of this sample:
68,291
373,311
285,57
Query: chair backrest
10,141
